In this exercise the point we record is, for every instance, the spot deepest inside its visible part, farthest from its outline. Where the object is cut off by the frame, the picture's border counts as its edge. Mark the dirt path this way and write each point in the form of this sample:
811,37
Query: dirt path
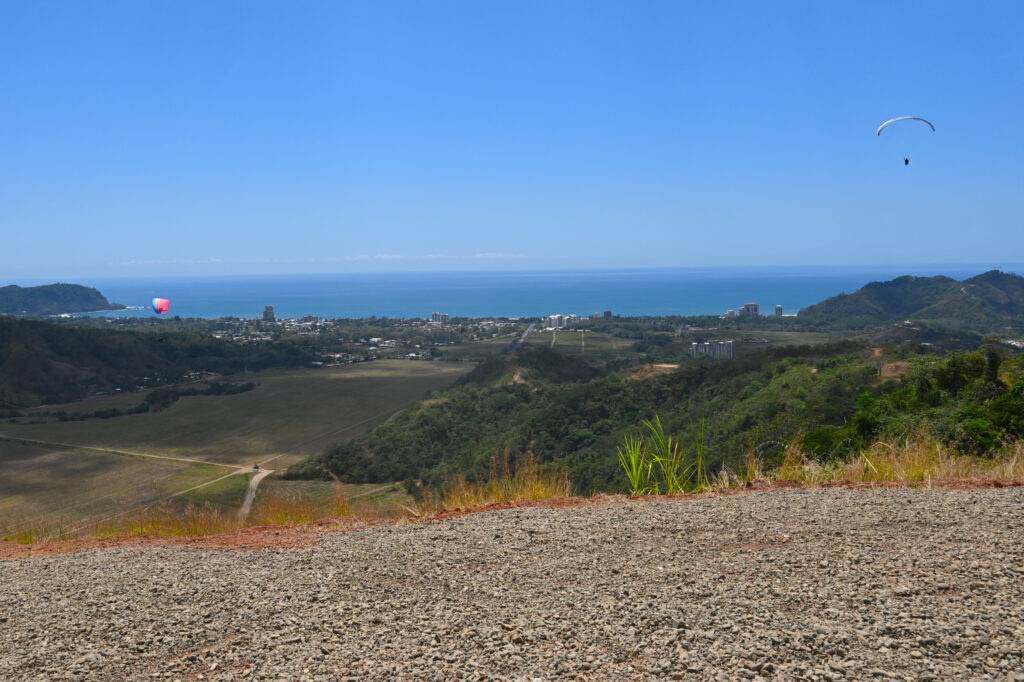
250,494
111,451
518,344
372,491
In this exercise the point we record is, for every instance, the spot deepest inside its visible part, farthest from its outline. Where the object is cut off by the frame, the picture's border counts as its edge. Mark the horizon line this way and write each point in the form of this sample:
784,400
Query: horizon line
623,269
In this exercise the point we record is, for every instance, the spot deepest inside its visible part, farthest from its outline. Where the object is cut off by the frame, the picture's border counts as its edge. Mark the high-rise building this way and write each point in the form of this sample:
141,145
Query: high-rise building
713,349
607,314
438,318
749,310
268,314
778,311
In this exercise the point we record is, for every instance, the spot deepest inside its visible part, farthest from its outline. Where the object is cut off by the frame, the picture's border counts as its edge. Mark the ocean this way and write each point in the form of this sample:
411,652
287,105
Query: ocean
628,292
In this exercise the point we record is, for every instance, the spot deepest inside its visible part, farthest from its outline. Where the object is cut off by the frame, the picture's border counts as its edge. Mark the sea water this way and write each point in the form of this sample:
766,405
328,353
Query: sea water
627,292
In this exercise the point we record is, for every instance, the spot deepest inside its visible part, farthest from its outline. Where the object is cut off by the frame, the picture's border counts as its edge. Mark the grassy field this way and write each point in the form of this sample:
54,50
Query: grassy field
290,414
780,338
227,492
593,345
587,345
371,499
120,401
68,484
477,350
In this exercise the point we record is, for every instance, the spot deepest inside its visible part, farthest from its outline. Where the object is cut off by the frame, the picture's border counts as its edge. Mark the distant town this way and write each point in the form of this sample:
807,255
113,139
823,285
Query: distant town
714,349
422,338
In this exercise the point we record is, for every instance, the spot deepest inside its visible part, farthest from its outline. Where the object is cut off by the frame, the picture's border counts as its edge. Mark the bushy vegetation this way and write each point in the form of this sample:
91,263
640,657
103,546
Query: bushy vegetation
970,402
565,412
833,400
167,395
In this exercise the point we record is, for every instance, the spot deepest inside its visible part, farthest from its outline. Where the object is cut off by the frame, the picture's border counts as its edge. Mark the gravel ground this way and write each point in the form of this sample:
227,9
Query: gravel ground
789,584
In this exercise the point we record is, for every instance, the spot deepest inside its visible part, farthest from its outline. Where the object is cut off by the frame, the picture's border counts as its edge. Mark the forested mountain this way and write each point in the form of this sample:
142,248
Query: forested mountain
828,399
988,302
52,299
42,362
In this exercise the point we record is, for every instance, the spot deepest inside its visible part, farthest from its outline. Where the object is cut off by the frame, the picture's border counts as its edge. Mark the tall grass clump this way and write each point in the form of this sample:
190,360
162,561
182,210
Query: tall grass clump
797,466
30,531
528,483
638,466
340,504
274,509
664,451
925,459
655,462
920,459
166,518
753,470
699,462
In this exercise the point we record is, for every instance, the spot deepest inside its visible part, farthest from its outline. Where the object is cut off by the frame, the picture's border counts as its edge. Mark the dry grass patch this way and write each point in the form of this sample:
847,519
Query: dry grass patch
530,482
912,461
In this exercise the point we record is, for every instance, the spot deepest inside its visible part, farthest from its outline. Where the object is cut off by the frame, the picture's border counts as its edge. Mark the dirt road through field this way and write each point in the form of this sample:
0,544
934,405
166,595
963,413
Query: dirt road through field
111,451
250,493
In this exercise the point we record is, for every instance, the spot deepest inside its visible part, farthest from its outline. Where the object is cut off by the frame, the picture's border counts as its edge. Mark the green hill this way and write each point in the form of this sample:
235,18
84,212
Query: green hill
831,399
561,410
990,302
52,299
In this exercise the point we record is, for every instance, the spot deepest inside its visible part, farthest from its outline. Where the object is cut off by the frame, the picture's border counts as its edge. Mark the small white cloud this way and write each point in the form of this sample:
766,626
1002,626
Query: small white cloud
499,255
174,261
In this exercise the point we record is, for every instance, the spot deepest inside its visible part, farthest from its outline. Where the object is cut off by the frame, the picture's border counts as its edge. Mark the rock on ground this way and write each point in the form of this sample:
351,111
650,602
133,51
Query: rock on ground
791,584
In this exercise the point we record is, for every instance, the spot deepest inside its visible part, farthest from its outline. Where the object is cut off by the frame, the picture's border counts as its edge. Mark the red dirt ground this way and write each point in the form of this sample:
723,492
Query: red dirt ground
303,535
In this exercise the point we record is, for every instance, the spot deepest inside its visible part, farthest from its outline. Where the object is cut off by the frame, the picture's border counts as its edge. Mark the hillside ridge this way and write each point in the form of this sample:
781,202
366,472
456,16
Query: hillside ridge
992,296
53,299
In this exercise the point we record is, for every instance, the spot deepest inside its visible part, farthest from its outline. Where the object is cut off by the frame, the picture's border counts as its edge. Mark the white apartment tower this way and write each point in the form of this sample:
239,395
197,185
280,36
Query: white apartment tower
713,349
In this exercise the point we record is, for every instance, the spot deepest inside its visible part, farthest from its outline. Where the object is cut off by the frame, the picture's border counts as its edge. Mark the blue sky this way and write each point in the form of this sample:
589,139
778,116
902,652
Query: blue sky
181,138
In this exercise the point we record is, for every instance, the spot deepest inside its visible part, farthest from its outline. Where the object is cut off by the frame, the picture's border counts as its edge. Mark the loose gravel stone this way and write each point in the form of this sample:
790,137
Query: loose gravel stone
789,584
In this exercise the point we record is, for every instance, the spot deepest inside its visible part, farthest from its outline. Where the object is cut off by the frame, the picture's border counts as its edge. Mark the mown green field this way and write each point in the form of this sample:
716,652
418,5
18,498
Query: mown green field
595,345
66,484
476,350
787,338
290,414
227,492
120,401
587,345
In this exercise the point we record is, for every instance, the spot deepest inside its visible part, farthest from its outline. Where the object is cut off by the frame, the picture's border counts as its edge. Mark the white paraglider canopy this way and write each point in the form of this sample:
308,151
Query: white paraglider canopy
903,118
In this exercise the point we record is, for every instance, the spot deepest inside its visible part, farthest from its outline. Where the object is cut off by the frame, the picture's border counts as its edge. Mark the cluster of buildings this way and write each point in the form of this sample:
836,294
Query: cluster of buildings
751,310
268,316
560,321
713,349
